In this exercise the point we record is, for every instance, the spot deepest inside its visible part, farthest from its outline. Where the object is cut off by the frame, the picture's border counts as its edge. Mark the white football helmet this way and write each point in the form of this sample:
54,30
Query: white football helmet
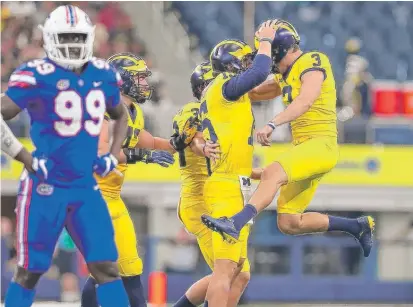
68,36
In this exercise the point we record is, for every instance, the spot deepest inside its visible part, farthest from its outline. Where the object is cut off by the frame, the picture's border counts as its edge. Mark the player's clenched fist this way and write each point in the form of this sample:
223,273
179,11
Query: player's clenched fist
105,164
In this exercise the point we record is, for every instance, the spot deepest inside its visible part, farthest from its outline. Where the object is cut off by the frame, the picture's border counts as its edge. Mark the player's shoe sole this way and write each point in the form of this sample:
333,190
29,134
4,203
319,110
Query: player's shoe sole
365,237
224,226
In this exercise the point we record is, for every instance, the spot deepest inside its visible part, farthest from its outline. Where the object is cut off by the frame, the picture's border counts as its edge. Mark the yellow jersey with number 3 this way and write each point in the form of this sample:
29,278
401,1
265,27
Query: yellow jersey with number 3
112,184
320,119
193,167
231,125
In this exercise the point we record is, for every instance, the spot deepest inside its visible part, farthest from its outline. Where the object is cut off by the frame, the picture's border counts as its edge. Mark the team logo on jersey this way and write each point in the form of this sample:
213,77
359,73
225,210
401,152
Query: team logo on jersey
45,189
63,84
97,84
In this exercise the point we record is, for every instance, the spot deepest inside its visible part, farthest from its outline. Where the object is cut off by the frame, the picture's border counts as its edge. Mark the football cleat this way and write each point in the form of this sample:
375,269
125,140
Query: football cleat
224,226
365,237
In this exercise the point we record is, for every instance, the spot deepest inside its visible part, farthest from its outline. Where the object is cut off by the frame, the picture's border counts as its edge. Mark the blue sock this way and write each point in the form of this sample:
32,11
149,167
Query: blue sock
112,294
89,294
244,216
184,302
134,289
18,296
343,224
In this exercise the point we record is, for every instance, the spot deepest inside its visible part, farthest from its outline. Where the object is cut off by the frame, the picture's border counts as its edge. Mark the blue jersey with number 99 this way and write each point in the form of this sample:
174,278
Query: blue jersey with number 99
66,111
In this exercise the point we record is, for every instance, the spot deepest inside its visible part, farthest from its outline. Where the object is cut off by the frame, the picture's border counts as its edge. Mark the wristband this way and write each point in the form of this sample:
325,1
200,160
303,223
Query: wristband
271,124
266,39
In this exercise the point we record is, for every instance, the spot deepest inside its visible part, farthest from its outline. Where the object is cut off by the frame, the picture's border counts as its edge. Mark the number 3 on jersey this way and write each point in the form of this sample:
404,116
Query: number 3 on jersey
68,106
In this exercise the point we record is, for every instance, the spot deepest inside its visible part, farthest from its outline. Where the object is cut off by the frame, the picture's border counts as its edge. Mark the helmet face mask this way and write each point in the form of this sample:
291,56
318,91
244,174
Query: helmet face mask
141,90
134,74
68,36
71,45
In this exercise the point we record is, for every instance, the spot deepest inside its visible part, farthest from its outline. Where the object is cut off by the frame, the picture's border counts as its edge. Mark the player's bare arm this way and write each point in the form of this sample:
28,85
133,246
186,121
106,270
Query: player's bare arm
309,92
9,109
120,127
11,146
267,90
148,141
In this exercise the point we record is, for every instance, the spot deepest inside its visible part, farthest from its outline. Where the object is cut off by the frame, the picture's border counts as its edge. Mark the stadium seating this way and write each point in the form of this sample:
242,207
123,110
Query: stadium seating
382,26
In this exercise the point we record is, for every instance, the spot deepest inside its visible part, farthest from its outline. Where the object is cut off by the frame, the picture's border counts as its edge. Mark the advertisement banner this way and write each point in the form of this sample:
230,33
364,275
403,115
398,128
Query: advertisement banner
358,165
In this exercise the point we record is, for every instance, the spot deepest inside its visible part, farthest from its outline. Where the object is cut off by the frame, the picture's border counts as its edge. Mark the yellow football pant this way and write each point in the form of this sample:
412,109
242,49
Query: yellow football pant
190,209
129,262
305,164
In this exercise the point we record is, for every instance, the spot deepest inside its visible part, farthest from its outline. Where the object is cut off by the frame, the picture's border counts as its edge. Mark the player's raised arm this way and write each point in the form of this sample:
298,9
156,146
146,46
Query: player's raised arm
258,72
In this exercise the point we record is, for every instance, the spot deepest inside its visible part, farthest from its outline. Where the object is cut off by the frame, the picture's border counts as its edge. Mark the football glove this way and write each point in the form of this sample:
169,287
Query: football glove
180,141
163,158
105,164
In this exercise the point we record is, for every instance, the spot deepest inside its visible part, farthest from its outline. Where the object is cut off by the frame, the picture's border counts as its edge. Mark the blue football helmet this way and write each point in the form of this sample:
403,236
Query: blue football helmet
232,56
285,38
200,78
134,73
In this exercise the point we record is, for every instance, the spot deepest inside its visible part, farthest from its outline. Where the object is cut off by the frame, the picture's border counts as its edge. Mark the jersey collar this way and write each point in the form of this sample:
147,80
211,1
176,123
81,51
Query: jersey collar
287,72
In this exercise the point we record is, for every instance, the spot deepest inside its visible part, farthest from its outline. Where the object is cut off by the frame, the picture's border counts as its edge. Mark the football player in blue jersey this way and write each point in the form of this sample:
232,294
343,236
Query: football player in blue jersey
66,94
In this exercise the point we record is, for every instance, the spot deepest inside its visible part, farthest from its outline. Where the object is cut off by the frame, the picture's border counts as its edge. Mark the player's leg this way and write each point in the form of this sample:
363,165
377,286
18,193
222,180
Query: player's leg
40,217
129,263
293,201
224,197
190,208
91,228
240,282
303,166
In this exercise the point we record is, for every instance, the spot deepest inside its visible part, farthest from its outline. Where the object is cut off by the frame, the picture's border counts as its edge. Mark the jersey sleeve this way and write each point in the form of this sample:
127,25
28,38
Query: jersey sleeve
22,86
241,84
113,88
314,61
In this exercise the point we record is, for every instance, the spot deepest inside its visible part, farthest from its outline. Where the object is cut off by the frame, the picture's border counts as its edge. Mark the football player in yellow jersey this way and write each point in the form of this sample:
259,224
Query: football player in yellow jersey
227,119
308,90
192,205
134,91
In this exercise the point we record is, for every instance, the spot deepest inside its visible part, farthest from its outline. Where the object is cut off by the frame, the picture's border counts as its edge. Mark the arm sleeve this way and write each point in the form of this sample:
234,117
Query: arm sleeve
253,76
9,144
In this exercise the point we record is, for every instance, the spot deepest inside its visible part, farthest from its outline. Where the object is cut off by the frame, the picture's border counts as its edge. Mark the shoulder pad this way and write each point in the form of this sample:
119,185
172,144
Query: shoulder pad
107,72
24,76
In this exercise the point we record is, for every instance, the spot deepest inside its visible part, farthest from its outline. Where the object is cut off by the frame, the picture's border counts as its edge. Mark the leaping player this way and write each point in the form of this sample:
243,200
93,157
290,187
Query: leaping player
308,90
66,94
